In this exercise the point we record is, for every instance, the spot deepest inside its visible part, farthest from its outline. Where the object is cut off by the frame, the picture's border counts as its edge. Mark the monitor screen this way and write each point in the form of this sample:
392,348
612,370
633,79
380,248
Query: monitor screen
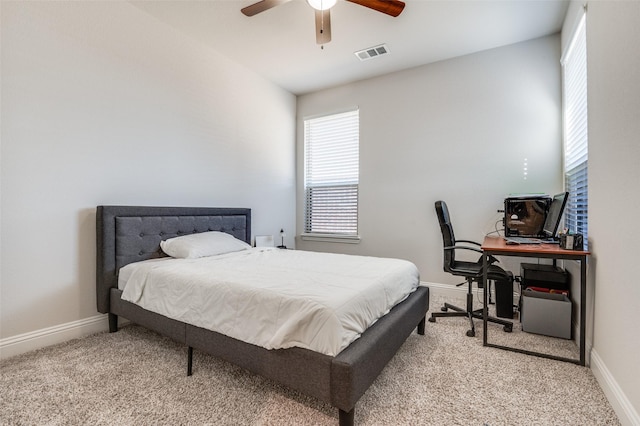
524,216
552,221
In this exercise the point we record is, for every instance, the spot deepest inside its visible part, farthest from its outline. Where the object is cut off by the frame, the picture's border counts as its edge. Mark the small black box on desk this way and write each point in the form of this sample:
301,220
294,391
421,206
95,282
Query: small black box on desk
545,276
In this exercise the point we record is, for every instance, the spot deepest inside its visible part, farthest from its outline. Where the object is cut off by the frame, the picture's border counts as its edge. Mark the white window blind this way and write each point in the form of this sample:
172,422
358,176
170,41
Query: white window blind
576,153
331,174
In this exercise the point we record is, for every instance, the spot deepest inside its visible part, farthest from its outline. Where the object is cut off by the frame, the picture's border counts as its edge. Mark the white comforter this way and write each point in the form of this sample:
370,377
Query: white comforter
273,298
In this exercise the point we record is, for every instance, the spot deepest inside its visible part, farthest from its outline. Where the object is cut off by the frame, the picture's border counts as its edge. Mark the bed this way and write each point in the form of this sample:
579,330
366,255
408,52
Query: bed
128,234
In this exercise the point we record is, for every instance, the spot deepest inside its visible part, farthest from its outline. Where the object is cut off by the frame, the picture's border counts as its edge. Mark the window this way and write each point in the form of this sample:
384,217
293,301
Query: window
574,83
331,145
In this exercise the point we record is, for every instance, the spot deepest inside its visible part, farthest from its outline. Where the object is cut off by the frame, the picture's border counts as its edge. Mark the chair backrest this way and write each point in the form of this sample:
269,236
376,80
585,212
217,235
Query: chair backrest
448,238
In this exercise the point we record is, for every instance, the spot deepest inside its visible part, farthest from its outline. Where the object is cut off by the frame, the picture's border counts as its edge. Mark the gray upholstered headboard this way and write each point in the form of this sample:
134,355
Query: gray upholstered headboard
126,234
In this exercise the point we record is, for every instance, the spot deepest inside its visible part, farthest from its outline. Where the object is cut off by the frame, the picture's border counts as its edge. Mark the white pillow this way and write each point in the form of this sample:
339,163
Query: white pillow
203,244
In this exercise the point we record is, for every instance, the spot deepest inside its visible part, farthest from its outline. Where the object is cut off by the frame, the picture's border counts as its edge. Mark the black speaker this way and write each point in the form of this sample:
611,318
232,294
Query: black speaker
504,298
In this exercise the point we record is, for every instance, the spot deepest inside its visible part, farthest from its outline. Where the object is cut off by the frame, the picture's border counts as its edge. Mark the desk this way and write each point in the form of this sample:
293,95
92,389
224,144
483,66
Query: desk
496,246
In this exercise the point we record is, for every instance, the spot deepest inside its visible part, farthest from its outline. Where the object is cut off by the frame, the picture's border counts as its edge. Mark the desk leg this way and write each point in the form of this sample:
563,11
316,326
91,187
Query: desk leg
583,309
485,309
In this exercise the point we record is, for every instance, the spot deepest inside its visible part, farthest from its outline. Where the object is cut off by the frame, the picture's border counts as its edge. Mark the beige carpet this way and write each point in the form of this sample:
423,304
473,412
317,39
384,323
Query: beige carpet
135,377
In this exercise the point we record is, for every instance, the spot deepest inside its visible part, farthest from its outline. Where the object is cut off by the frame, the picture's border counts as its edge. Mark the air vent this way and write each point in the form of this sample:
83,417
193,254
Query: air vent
372,52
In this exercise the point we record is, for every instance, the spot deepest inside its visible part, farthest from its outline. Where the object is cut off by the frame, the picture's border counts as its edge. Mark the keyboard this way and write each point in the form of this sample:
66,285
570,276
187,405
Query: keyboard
523,240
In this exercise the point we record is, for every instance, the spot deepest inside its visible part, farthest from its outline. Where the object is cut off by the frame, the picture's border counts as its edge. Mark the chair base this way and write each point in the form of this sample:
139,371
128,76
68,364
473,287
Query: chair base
470,313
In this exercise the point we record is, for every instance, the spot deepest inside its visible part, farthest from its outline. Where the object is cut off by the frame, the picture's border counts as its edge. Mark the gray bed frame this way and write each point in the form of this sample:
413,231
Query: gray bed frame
127,234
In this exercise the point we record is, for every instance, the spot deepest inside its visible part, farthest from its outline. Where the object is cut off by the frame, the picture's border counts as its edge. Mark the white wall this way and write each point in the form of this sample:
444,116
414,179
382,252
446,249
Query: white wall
102,104
457,130
613,61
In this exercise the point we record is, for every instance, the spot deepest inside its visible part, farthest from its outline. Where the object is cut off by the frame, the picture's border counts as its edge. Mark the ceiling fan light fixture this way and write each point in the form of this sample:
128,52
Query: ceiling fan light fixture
322,4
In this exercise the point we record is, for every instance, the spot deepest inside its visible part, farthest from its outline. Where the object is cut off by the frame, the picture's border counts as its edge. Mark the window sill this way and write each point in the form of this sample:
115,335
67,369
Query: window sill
332,238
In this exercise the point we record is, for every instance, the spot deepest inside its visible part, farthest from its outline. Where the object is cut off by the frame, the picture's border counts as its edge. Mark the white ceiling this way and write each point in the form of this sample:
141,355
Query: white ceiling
280,43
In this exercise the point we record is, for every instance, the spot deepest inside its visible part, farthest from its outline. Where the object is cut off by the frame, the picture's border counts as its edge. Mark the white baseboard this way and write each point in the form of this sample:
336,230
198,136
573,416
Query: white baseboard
627,414
447,290
26,342
451,290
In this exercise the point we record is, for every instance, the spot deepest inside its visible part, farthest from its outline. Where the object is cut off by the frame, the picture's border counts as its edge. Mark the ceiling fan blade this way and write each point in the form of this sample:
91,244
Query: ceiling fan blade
261,6
390,7
323,26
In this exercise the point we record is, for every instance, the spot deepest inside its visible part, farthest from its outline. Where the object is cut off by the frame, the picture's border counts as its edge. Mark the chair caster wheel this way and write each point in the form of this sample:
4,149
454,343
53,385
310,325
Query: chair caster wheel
444,309
432,319
508,328
471,333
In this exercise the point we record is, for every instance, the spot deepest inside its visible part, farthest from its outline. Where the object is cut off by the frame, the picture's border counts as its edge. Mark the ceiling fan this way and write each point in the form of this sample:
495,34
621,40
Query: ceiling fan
322,7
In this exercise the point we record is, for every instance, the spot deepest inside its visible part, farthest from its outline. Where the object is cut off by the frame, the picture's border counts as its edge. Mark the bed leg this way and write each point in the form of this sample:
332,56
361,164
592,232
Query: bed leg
421,326
189,360
346,417
113,323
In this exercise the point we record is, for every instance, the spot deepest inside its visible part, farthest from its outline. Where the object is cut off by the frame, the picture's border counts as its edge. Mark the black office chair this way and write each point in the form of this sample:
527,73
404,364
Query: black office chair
472,271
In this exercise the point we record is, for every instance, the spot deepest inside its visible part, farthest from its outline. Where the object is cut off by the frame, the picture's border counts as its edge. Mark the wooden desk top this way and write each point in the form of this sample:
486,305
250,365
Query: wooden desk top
498,244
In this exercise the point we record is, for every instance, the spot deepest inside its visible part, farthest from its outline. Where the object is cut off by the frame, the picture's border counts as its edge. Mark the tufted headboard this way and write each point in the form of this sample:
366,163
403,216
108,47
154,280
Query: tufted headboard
126,234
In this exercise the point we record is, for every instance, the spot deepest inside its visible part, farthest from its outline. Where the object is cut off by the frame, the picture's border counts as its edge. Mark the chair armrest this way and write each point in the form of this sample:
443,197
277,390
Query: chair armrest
468,241
457,247
490,261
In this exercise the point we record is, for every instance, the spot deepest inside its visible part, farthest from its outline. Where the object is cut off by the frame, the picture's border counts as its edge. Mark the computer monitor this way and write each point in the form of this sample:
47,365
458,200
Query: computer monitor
552,221
524,215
